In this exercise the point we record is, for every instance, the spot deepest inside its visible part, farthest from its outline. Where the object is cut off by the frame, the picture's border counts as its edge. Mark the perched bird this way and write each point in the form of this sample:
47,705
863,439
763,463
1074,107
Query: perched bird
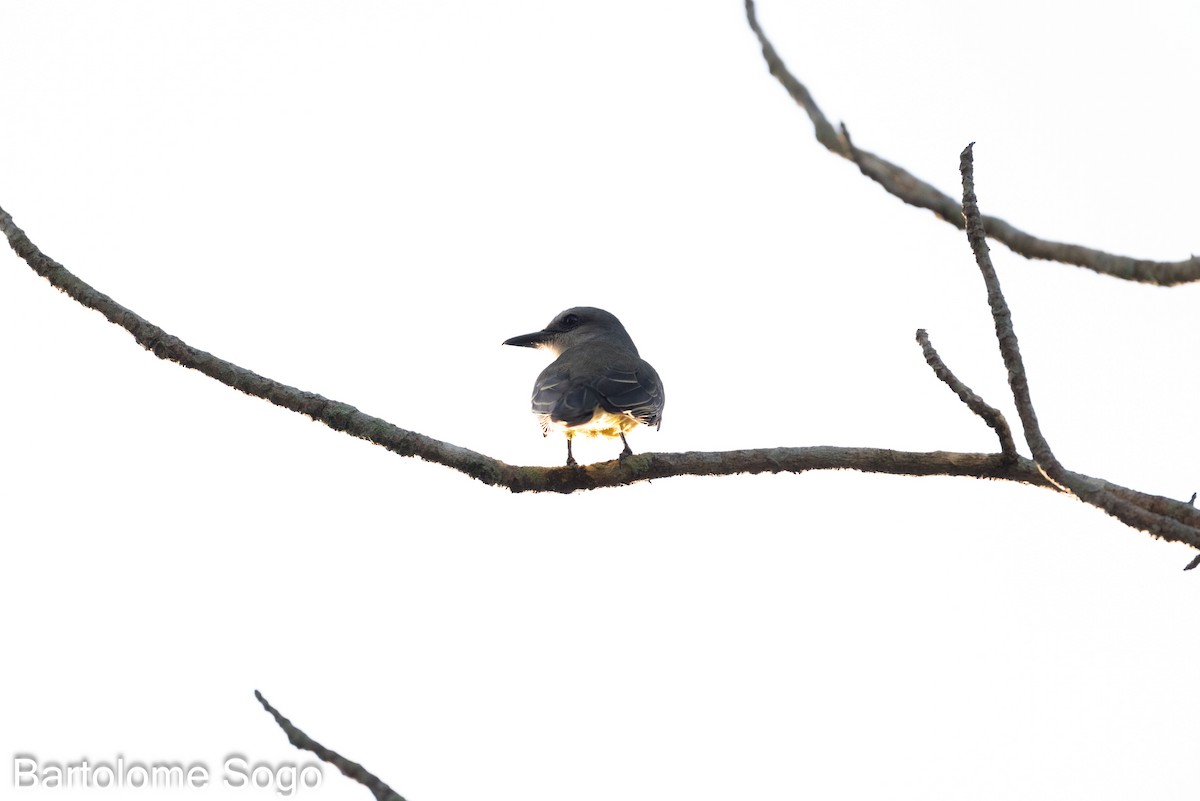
597,385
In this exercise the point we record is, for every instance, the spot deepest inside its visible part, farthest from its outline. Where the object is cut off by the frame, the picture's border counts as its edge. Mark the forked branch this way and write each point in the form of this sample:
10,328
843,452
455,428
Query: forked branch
1162,517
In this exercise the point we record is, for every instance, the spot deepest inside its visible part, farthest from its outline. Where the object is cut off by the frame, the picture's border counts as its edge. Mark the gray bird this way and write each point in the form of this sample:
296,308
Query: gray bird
598,385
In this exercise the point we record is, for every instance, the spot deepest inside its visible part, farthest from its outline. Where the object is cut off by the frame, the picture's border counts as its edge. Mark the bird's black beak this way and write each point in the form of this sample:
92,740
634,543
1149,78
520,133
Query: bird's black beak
528,340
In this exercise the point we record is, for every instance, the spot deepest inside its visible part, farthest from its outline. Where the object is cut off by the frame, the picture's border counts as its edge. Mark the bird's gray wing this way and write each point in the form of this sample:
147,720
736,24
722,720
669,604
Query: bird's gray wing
571,397
632,389
567,400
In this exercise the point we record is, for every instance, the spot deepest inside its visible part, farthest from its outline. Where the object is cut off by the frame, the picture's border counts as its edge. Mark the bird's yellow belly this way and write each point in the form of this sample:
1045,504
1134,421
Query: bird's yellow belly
602,424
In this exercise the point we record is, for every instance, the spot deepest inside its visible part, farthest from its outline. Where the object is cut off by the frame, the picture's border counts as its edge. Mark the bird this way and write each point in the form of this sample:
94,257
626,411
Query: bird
597,385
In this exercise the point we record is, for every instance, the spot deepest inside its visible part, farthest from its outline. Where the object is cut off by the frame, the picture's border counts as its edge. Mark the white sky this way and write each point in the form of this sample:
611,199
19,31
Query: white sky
363,199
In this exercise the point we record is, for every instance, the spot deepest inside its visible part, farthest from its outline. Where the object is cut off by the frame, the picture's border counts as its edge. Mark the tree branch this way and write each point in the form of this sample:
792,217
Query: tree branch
350,769
991,416
1158,516
912,190
640,467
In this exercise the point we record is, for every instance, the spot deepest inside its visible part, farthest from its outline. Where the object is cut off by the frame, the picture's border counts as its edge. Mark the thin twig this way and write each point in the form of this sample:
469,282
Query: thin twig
912,190
992,416
350,769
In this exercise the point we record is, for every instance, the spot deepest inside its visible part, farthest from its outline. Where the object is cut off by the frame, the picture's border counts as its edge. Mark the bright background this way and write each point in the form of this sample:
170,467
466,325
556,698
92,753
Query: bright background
363,199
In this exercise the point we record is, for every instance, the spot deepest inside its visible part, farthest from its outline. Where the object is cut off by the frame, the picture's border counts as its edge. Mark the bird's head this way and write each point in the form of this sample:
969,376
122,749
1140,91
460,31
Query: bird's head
575,327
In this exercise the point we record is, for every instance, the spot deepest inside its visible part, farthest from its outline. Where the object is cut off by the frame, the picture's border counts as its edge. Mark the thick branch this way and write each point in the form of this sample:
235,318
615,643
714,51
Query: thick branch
350,769
912,190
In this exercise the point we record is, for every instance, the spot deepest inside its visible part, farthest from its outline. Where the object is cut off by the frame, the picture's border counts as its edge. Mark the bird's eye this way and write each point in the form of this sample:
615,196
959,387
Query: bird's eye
571,320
